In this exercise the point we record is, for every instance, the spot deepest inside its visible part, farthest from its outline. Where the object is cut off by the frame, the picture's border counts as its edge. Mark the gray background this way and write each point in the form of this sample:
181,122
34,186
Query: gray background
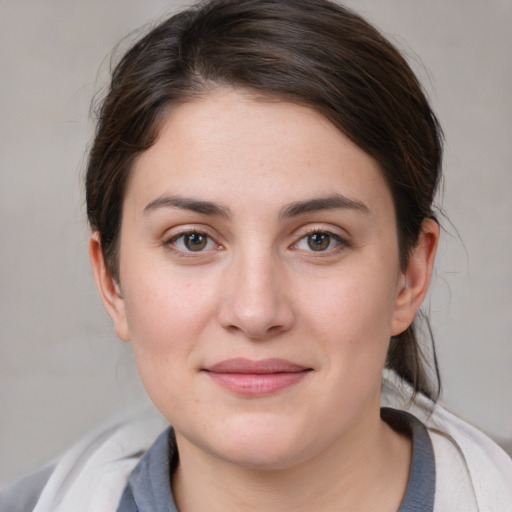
62,371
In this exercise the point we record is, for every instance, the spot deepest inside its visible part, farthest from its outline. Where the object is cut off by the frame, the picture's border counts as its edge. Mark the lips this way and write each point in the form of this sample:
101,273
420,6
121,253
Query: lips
256,378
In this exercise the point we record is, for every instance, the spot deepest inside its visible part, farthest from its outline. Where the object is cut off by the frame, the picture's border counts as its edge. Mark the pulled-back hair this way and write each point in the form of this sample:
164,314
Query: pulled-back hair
310,52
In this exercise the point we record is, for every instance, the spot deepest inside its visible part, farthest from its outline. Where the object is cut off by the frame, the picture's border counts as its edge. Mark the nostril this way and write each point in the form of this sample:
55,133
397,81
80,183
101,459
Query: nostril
233,329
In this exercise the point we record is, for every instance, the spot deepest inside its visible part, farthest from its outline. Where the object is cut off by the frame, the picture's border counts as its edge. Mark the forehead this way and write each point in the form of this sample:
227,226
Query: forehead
230,146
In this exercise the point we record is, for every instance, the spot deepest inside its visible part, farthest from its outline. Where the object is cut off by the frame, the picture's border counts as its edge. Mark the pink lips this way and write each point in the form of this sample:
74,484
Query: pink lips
256,378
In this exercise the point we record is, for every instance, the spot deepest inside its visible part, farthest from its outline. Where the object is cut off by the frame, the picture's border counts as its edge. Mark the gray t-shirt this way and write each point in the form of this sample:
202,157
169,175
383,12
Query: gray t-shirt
149,489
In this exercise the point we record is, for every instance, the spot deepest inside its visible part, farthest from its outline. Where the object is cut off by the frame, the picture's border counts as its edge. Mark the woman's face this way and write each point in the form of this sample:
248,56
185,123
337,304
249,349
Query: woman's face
259,279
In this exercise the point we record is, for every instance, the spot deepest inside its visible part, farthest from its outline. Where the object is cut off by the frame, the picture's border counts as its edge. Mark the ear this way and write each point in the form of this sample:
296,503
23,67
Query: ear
110,291
414,282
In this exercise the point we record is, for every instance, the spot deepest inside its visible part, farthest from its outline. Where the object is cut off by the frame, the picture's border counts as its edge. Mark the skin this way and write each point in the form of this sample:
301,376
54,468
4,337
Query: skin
258,290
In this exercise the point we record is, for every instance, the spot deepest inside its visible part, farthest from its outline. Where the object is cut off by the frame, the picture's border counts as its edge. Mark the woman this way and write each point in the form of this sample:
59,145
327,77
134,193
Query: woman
260,192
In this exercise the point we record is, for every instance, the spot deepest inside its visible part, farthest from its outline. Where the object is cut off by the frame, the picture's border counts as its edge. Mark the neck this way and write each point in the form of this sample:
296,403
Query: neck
356,472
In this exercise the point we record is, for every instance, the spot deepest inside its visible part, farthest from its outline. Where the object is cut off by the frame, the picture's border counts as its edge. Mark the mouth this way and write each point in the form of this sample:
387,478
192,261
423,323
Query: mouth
256,378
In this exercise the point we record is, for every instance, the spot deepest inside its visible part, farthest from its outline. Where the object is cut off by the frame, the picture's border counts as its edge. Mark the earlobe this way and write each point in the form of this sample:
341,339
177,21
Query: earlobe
109,288
414,283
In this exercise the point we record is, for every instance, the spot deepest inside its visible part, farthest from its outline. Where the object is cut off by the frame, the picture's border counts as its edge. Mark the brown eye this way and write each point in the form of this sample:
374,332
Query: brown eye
195,241
192,241
319,241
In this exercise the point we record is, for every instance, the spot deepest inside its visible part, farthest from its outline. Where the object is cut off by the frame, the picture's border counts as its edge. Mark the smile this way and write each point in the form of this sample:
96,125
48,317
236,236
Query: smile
256,378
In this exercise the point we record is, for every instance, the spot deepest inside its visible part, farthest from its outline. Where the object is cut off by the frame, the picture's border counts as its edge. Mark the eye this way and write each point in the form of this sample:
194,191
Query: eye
319,241
192,241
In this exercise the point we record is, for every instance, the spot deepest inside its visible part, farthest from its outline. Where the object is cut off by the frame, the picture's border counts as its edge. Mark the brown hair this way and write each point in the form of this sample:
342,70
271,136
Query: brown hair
312,52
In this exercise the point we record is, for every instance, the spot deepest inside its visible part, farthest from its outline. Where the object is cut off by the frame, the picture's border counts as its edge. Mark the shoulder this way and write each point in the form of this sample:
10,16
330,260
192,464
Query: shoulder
23,495
471,470
91,476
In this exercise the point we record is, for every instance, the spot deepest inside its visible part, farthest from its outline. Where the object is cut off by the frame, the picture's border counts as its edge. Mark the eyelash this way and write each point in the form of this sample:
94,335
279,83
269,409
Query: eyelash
341,243
172,242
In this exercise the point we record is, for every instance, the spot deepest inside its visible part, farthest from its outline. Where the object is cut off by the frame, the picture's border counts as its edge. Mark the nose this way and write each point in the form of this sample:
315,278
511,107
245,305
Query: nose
255,301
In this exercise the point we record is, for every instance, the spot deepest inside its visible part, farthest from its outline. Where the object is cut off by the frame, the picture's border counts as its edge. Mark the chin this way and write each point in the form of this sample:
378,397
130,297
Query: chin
261,456
261,442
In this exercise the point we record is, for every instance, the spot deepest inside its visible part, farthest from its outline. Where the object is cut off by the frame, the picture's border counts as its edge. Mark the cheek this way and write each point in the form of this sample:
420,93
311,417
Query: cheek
166,320
166,312
350,319
355,307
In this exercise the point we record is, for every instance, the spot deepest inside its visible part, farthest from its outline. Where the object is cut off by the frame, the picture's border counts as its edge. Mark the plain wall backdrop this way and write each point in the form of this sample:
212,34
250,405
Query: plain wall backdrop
62,370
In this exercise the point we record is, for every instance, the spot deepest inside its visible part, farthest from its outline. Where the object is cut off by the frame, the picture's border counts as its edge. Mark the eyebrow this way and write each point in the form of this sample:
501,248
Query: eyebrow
331,202
187,203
